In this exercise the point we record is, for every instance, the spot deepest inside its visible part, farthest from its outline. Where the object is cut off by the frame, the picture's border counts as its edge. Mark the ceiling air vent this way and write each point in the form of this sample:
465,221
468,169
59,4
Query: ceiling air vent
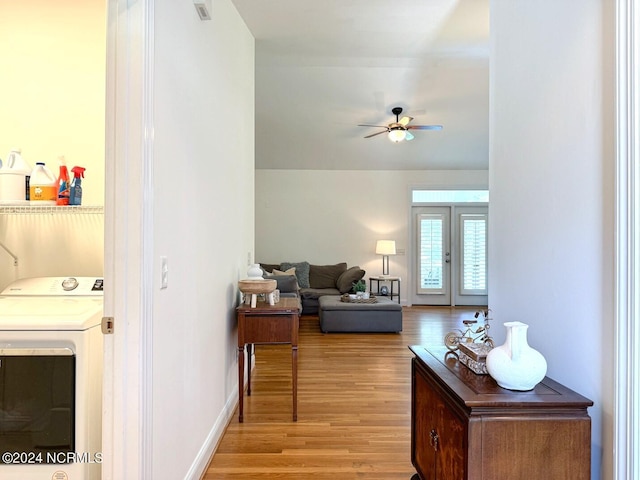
203,11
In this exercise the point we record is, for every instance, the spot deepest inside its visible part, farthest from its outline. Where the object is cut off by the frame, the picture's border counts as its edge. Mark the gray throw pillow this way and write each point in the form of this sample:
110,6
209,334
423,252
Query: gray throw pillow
302,272
285,283
346,279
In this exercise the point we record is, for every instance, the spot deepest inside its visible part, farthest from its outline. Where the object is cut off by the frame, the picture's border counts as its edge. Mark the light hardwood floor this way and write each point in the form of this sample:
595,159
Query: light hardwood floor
354,405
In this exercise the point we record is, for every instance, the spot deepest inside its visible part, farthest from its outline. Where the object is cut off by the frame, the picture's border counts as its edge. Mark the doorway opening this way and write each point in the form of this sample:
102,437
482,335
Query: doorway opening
449,248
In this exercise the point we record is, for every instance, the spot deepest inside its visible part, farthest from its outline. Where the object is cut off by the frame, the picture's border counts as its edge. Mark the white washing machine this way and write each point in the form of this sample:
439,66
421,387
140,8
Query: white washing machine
51,379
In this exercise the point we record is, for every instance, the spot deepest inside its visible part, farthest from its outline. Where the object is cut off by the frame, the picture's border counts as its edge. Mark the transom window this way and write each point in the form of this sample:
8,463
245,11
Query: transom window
450,196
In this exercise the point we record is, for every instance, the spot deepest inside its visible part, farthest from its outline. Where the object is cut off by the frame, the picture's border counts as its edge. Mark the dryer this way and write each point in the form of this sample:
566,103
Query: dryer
51,379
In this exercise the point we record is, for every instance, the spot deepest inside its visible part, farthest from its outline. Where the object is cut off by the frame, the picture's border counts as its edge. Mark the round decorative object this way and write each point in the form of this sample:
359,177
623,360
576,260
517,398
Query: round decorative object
252,287
254,271
257,286
515,365
384,290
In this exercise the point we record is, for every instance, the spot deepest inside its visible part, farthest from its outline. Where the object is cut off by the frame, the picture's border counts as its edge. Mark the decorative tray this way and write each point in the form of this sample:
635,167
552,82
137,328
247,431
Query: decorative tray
348,299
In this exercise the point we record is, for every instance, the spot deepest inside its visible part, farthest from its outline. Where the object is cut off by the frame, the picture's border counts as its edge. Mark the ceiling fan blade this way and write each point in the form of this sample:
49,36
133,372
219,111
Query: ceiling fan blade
367,125
374,134
404,121
424,127
408,136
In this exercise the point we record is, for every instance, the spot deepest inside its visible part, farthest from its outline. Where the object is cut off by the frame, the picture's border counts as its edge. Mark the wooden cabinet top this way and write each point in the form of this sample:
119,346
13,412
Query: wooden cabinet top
482,391
285,305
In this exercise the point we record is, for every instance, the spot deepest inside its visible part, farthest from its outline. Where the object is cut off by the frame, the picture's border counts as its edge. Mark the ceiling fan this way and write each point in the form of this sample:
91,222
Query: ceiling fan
399,130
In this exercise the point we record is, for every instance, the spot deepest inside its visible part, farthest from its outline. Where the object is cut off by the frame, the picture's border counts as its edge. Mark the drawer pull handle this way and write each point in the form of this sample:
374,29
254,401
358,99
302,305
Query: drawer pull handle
434,439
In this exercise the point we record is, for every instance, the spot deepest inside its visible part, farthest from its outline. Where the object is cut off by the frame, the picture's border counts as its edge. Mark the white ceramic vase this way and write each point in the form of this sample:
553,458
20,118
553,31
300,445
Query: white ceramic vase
254,272
515,365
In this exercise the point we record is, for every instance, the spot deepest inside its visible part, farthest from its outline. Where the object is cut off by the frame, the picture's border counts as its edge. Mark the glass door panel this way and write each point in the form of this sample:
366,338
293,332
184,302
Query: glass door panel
433,256
473,268
431,229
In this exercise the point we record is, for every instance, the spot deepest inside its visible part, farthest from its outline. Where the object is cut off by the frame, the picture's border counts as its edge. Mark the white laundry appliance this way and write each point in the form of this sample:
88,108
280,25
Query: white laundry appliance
51,379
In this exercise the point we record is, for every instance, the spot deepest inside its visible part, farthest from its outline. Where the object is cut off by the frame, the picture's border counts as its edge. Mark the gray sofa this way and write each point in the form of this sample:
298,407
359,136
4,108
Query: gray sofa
313,281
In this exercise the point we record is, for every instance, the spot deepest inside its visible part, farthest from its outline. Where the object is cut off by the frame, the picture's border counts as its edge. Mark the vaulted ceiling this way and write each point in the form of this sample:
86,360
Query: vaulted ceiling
325,66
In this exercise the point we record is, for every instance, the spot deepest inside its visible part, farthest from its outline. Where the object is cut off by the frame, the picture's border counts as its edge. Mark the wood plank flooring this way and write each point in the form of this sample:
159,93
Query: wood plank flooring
354,405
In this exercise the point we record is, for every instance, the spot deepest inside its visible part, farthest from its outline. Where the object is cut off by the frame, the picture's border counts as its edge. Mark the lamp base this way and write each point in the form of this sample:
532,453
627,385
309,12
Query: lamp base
385,265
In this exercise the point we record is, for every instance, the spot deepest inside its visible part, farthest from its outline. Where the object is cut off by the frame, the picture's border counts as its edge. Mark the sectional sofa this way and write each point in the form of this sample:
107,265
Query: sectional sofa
311,282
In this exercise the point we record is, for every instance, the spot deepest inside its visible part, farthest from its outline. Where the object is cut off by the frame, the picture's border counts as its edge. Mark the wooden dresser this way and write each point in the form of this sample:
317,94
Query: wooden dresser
465,427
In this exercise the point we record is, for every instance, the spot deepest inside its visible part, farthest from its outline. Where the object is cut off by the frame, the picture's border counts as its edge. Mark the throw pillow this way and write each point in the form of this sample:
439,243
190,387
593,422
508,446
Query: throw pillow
291,272
346,279
302,272
268,267
325,276
284,283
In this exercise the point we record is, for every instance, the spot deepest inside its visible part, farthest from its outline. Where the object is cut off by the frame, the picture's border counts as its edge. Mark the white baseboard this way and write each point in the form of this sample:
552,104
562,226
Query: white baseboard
200,463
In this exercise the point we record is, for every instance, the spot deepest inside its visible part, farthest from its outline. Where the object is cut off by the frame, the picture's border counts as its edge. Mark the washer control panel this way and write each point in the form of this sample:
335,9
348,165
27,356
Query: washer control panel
55,286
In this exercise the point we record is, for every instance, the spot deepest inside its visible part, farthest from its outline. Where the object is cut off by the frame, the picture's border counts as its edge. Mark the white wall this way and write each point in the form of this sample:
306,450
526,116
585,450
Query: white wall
53,103
326,217
203,223
51,245
53,85
551,182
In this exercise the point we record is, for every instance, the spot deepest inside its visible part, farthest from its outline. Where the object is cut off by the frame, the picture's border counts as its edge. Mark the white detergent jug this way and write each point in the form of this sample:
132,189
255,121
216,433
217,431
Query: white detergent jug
42,186
14,180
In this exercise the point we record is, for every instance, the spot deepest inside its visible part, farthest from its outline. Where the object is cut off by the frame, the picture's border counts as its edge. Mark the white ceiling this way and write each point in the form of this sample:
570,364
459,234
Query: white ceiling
325,66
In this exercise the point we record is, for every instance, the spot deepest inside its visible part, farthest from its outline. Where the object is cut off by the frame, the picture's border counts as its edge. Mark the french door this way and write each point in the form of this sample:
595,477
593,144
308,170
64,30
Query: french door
450,255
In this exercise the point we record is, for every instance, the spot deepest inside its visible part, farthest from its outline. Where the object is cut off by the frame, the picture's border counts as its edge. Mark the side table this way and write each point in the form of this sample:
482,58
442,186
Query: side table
383,278
268,324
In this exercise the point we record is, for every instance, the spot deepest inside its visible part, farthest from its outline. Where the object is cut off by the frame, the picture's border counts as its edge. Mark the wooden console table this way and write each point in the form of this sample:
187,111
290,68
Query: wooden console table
268,324
465,427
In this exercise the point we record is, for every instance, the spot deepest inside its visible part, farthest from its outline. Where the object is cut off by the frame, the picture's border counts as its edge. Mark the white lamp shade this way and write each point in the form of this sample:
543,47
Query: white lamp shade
386,247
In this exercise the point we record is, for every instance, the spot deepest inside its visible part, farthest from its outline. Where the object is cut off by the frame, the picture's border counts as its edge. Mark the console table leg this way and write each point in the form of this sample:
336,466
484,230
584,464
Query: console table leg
249,354
294,380
240,382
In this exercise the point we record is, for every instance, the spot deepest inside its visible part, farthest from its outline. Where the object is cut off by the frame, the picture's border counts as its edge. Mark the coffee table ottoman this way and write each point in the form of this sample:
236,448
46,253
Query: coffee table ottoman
336,316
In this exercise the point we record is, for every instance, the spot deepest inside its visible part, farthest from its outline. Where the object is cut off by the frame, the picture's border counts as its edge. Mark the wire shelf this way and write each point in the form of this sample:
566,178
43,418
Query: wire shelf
49,209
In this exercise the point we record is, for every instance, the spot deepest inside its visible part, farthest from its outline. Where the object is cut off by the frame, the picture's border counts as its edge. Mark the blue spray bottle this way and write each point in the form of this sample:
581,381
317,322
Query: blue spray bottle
75,193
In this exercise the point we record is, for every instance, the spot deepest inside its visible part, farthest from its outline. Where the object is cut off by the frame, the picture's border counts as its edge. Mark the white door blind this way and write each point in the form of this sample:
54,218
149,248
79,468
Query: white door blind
474,254
431,240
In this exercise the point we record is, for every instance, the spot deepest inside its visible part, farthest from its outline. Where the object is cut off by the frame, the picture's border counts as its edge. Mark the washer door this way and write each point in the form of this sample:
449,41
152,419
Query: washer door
37,404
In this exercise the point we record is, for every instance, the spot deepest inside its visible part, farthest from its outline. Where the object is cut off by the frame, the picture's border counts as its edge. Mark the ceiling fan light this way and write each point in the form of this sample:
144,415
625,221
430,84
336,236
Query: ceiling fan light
397,135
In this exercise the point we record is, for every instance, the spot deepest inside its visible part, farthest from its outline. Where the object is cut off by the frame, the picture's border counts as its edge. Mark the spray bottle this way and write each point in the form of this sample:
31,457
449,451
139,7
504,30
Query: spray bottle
75,193
63,184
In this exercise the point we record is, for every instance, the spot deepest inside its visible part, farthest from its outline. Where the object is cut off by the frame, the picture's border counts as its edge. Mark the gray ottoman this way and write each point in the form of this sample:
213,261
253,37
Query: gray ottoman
336,316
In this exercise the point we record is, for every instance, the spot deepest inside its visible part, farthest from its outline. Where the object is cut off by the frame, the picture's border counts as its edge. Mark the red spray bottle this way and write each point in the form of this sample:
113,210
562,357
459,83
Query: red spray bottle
63,184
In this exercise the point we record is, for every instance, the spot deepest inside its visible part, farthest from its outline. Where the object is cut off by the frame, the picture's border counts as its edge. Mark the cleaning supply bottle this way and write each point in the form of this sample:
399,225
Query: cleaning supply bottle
14,179
42,186
75,193
63,184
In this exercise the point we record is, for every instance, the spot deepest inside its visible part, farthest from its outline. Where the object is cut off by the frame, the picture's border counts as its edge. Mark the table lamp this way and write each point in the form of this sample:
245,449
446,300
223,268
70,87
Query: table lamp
385,248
